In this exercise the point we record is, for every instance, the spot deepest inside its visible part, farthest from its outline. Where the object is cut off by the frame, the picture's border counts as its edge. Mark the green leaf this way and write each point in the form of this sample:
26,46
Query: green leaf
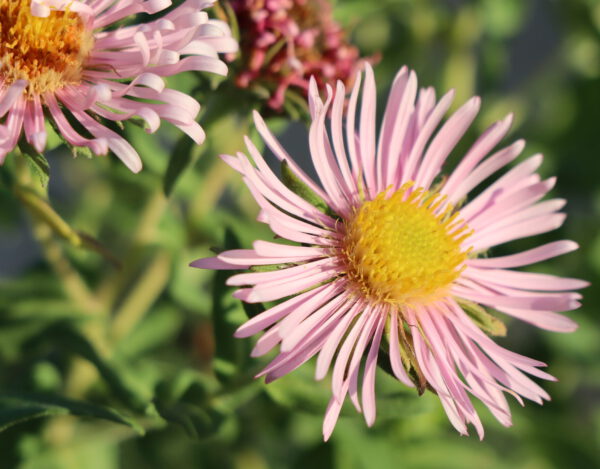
37,161
184,400
293,183
188,384
295,104
253,309
179,161
228,348
159,326
197,422
83,152
124,389
483,319
13,413
7,177
54,138
19,408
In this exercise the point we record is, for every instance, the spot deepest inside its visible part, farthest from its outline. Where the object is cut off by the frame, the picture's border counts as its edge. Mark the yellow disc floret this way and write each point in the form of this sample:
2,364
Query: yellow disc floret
404,249
46,52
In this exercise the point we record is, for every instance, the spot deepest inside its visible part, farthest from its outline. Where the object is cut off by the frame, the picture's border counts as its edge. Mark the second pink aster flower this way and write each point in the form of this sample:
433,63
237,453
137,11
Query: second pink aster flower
389,256
65,59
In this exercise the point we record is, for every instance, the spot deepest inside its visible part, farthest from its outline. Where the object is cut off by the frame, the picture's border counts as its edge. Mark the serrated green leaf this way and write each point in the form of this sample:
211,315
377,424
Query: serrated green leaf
37,161
15,409
84,152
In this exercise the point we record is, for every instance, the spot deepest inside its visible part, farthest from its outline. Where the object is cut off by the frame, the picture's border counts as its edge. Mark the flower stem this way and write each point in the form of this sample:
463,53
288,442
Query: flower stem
147,289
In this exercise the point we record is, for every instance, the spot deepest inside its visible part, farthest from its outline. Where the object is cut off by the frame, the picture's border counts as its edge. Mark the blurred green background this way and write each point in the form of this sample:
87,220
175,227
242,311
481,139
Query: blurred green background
170,369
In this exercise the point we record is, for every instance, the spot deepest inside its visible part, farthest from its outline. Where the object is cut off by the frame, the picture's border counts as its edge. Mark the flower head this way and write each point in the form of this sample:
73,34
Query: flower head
285,42
67,59
389,256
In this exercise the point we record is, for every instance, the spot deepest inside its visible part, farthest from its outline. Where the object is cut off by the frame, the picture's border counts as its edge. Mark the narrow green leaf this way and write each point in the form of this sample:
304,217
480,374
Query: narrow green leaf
185,400
10,416
227,314
19,408
159,326
227,346
122,388
6,177
179,161
293,183
198,422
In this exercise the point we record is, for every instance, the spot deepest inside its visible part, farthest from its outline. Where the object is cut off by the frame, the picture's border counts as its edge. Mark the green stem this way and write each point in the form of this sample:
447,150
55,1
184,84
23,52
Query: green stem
111,288
227,137
46,222
147,289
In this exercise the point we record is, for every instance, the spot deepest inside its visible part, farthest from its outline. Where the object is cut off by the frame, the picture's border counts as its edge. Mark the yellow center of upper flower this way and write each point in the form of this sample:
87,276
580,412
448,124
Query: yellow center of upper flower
46,52
405,249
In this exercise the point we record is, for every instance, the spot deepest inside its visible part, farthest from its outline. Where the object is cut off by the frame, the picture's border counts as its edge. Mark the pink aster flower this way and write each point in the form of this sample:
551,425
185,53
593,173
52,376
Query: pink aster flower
65,59
285,42
393,257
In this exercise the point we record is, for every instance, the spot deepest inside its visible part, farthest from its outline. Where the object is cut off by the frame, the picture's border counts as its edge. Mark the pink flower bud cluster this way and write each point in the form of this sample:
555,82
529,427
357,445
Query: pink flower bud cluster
285,42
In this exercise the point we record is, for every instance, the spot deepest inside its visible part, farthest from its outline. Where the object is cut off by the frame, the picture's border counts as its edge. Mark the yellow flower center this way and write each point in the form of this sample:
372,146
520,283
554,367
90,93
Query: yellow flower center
46,52
404,249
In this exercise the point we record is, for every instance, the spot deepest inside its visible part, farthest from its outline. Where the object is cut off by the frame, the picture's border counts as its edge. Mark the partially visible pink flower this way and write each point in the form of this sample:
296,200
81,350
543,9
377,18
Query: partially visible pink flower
285,42
67,59
397,255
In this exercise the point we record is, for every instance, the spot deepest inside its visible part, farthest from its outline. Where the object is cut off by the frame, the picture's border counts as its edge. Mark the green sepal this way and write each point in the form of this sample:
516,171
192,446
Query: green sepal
483,319
293,183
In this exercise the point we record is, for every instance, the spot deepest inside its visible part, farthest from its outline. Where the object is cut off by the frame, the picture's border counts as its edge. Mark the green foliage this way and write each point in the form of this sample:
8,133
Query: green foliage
115,353
483,318
294,184
179,161
18,408
37,161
